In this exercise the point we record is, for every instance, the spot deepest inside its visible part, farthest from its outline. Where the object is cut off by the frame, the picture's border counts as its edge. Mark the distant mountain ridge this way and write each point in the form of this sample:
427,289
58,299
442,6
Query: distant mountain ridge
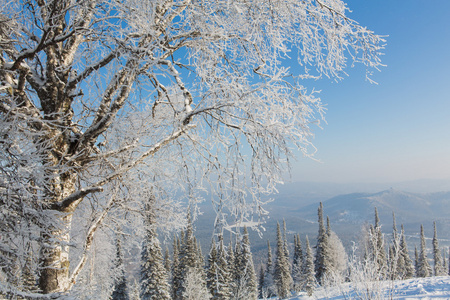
408,207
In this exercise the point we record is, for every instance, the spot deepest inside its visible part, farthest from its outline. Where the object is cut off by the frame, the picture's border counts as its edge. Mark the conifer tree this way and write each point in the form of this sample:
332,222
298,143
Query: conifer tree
406,266
297,264
322,258
416,260
445,266
190,264
120,291
336,255
381,257
246,282
423,267
448,260
176,268
262,271
135,291
154,277
167,262
438,263
285,243
231,258
309,280
282,274
269,289
225,277
212,275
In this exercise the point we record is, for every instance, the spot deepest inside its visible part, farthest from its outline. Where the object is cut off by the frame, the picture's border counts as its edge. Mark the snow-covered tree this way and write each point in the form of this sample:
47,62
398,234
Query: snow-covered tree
212,274
154,279
297,264
100,98
269,289
338,256
120,288
194,286
423,267
176,269
309,277
322,259
190,261
439,269
282,273
375,251
246,285
405,267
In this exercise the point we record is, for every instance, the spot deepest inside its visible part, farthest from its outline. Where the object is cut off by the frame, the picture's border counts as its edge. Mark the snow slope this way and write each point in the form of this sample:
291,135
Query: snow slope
417,288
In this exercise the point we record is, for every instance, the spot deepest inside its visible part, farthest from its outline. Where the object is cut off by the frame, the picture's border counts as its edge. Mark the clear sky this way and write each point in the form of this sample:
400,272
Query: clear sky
398,130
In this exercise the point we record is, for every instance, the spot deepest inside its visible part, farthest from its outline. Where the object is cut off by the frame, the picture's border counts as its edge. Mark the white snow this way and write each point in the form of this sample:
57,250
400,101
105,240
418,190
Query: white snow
417,288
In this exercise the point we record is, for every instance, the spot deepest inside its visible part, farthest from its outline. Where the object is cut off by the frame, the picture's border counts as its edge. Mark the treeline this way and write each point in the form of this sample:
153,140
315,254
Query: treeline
229,273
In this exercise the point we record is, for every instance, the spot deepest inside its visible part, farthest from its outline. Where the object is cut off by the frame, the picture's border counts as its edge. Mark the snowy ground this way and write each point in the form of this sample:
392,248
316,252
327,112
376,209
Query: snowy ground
424,288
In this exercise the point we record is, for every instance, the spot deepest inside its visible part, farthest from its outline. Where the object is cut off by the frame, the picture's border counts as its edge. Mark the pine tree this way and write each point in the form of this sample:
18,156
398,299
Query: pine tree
395,261
297,264
212,274
167,262
438,263
120,291
269,289
176,269
423,267
416,260
190,264
154,276
448,260
445,266
135,291
406,266
247,286
309,280
225,277
322,258
381,257
231,258
282,274
262,271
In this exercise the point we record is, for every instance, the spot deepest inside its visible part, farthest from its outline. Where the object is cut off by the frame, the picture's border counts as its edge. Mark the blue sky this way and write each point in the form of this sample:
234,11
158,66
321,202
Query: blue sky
399,129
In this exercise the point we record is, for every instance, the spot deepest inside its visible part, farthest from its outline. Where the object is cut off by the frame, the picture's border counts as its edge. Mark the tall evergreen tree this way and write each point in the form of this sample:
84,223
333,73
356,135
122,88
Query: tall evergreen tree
167,262
212,275
438,263
297,264
269,289
406,266
246,282
322,258
224,271
423,267
190,263
262,272
154,277
231,258
416,260
309,279
120,291
176,269
448,260
282,274
218,273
